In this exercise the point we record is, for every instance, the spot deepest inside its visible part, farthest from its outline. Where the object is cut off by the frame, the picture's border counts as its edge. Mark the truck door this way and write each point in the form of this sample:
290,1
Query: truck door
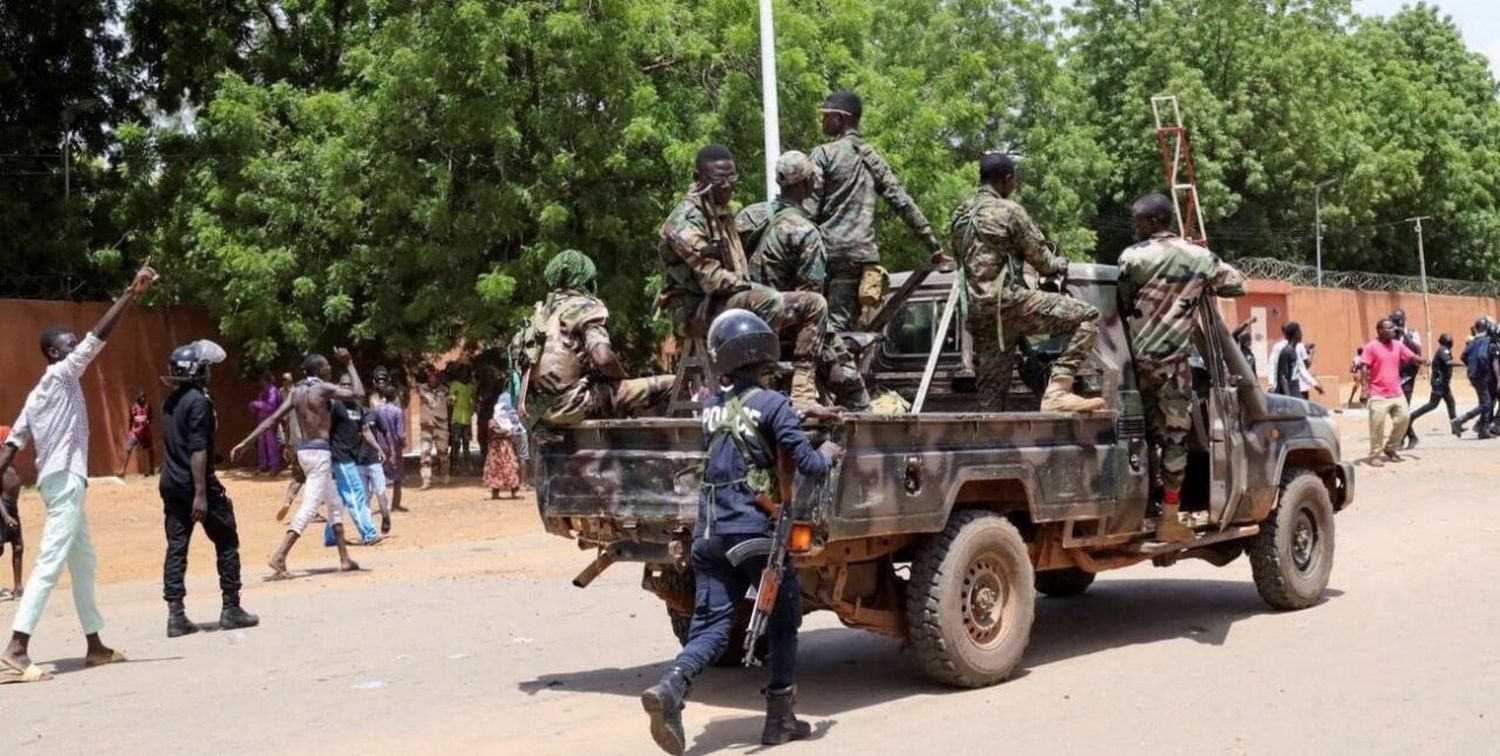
1225,432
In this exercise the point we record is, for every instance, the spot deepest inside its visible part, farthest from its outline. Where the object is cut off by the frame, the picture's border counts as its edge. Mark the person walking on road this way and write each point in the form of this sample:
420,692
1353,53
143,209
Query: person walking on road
1442,381
1413,342
1479,366
740,423
1389,413
191,492
55,418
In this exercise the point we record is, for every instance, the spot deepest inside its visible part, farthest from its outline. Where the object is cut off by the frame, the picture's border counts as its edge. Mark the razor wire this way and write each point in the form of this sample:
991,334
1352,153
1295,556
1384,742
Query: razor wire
1307,275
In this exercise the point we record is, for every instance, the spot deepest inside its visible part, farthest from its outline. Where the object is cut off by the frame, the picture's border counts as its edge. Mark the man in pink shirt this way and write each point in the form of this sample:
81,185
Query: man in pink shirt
1389,414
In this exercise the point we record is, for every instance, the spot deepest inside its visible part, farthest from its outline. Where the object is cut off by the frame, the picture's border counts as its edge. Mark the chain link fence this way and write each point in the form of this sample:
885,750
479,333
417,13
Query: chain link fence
1307,275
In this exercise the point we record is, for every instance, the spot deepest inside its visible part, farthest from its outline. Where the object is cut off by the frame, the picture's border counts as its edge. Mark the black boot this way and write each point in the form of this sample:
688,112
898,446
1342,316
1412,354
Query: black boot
663,701
177,622
233,617
782,724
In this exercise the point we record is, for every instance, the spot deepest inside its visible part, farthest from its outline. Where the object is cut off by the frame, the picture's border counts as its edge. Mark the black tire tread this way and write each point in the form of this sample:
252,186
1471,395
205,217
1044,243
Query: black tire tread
1266,559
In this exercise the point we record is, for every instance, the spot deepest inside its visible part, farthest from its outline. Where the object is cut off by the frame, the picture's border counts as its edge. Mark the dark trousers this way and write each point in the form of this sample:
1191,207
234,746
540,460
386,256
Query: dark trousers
1407,389
1485,410
219,525
1443,395
719,588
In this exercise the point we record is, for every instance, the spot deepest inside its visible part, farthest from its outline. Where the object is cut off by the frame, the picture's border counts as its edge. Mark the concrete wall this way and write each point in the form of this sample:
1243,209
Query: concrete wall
1338,321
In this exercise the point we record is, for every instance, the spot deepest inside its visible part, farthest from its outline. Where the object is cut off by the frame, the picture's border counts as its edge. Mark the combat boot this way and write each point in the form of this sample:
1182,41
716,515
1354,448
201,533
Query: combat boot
232,617
1170,529
782,724
178,624
1059,397
804,385
663,701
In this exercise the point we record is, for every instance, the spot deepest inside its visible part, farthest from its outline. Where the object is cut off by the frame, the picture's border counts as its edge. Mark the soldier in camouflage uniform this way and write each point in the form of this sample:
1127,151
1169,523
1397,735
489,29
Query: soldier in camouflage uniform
787,255
853,173
568,357
1162,279
995,237
436,403
705,271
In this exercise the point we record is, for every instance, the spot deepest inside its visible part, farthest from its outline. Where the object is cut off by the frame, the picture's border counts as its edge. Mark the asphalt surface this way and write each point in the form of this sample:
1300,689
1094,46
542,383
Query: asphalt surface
484,647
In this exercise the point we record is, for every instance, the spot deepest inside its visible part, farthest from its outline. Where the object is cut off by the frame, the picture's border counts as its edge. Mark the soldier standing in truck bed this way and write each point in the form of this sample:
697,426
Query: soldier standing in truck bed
705,271
853,174
568,356
1162,279
787,254
996,238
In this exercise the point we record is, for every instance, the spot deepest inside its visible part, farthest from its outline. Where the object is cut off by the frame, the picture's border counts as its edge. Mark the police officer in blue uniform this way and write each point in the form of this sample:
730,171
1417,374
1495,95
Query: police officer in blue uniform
744,427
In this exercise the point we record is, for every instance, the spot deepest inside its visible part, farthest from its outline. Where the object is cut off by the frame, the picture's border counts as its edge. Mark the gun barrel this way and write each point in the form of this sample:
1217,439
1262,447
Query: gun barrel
599,565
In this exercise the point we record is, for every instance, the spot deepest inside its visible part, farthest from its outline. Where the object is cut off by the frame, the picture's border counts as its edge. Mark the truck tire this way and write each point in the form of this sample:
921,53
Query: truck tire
1063,583
1292,556
970,601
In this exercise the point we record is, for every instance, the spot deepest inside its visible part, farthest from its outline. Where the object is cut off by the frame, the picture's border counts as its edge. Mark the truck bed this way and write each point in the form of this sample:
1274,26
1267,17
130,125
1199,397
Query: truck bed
637,480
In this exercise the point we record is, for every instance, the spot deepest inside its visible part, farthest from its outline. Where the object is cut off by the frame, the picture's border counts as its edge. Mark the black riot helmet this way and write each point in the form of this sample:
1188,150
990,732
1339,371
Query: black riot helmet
189,363
738,339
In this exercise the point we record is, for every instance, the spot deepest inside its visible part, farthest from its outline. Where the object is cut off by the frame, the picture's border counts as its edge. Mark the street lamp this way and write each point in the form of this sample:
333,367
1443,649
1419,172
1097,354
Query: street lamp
1318,223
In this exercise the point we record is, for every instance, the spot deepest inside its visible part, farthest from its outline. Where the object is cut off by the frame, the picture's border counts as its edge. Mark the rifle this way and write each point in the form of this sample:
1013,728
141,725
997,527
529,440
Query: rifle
770,577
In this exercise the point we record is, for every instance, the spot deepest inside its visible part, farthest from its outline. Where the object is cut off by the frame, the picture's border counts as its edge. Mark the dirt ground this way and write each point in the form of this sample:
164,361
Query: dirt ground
464,636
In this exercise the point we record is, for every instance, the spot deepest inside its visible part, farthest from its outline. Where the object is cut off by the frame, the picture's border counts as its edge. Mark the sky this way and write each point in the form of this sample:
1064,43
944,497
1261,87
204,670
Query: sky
1479,20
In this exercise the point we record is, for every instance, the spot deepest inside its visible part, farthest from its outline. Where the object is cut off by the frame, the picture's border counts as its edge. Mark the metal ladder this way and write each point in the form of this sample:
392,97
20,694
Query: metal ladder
1177,159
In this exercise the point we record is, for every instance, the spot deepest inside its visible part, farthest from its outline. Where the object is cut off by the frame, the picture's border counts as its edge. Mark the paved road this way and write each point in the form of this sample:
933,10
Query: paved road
484,648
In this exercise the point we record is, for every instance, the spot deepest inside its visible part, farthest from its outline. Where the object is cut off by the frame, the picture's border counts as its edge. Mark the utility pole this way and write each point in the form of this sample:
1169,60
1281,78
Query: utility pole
1422,261
1318,223
772,114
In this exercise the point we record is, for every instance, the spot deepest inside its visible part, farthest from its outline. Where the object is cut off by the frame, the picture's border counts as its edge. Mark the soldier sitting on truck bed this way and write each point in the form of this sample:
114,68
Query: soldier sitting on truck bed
705,271
1162,279
568,356
787,254
995,237
744,428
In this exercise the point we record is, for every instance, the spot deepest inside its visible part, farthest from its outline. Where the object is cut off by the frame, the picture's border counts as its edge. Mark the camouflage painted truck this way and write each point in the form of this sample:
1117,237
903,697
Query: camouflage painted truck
939,529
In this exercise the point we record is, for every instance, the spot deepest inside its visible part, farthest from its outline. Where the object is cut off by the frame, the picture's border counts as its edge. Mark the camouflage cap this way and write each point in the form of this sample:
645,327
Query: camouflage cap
794,167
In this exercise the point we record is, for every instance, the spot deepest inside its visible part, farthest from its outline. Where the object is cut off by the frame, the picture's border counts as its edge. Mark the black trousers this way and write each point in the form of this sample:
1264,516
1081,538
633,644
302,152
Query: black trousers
1484,410
220,527
1408,387
1443,395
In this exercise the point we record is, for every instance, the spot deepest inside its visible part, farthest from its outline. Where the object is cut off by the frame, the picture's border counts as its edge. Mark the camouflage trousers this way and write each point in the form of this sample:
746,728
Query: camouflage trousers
798,315
593,397
841,377
1166,392
1026,312
844,309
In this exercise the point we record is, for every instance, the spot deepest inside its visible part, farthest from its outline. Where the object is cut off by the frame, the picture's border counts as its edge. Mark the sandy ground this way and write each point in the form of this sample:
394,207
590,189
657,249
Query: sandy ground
464,636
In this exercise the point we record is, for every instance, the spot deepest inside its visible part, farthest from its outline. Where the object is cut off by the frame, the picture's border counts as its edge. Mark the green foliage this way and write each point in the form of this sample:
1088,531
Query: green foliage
397,173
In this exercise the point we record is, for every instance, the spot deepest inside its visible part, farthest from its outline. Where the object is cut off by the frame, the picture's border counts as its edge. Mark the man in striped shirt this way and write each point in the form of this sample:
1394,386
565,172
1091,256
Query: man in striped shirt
55,419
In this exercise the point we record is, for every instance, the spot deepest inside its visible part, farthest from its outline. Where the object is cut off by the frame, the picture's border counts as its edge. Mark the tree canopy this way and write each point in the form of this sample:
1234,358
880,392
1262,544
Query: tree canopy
400,171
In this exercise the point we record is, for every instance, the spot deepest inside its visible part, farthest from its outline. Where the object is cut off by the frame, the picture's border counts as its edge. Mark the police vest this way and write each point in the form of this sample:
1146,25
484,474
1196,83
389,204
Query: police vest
733,422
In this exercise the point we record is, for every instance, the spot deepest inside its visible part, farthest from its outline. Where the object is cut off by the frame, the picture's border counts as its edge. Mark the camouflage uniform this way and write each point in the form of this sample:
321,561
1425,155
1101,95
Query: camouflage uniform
1162,280
853,173
433,430
994,237
556,344
788,252
705,271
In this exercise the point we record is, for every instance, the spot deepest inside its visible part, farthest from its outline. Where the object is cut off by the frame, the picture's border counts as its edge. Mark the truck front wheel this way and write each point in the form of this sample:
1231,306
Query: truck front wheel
1292,556
970,601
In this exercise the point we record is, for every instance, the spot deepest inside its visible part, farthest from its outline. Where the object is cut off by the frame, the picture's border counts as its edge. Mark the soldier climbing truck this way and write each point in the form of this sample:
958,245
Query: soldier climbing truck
939,529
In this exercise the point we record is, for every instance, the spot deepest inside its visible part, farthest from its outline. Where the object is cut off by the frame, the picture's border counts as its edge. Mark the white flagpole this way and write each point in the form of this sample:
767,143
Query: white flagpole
772,114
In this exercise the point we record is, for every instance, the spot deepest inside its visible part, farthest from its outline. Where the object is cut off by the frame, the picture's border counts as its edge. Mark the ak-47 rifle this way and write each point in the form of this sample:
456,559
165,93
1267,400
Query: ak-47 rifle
770,577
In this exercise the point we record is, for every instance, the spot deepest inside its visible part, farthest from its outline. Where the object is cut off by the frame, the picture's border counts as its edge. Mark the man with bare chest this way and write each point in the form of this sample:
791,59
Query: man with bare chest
311,398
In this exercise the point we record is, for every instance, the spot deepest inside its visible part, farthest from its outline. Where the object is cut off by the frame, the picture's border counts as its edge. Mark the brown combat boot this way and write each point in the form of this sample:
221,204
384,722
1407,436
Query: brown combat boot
804,385
1170,529
1059,397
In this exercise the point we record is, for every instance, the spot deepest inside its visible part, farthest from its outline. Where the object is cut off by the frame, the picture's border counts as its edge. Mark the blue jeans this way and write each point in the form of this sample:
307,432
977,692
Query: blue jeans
719,588
356,502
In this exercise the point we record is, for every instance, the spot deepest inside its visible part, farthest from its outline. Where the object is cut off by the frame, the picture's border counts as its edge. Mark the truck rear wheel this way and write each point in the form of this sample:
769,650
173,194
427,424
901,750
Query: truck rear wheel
970,601
1292,556
1063,583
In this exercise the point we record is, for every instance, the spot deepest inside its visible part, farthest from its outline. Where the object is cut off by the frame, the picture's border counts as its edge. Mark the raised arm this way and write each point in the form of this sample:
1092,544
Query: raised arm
106,325
356,390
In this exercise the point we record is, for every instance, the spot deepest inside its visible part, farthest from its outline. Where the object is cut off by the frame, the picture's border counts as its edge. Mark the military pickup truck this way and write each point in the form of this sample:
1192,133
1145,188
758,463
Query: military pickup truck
940,528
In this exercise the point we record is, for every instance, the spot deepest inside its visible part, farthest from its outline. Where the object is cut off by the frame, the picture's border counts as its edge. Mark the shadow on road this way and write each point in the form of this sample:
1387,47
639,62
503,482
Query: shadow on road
842,670
744,733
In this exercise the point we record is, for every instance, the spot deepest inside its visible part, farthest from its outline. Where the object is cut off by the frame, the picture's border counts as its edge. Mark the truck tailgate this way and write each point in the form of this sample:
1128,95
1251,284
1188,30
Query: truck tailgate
621,478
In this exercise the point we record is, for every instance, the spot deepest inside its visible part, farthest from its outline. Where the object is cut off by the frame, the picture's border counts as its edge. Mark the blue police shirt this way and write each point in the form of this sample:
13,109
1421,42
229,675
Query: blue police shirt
731,509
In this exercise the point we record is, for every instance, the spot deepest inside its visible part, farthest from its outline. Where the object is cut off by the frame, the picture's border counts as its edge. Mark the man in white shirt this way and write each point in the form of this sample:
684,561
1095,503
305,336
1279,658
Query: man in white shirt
55,419
1289,373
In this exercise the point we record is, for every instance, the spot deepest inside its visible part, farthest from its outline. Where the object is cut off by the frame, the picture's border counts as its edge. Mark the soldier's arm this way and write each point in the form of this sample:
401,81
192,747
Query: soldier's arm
1226,280
1028,238
820,158
812,265
1126,287
890,187
601,352
691,239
